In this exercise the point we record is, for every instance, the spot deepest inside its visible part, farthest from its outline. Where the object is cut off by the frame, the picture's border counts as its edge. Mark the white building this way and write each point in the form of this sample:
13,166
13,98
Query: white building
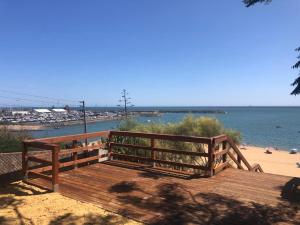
63,111
22,113
42,110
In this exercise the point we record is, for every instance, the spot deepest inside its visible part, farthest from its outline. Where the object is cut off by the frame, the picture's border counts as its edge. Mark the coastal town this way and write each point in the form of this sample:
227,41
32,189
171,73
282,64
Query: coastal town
42,118
55,117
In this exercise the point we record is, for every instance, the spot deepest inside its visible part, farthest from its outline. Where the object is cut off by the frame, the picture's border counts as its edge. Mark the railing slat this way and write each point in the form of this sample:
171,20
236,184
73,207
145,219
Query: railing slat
80,149
168,137
39,160
72,137
160,149
160,161
40,175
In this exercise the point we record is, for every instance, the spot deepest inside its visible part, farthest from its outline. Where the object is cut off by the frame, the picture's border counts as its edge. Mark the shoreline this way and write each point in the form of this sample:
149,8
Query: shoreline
40,127
280,162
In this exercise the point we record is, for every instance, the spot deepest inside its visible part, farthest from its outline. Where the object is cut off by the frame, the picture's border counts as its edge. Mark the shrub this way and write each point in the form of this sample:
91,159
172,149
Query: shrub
11,141
189,126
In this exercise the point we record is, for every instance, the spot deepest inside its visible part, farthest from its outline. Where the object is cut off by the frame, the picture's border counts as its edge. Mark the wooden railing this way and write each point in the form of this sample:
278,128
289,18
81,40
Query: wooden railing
152,150
168,153
61,153
223,148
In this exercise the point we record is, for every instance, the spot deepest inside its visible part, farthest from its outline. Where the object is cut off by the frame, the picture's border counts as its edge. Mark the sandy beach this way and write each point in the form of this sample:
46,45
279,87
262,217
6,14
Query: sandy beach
25,204
279,162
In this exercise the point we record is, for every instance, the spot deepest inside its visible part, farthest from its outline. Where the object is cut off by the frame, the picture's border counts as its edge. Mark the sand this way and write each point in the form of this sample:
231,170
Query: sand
279,162
25,204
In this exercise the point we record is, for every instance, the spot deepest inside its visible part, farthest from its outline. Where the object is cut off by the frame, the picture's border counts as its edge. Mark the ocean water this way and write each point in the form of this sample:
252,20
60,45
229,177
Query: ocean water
258,125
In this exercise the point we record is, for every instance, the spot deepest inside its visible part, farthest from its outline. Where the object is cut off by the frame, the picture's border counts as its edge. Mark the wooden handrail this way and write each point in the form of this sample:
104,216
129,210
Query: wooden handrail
240,157
215,158
150,148
168,137
67,138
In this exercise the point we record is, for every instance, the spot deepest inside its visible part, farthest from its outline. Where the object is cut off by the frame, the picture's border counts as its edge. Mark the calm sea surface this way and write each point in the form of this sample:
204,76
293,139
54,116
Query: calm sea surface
256,124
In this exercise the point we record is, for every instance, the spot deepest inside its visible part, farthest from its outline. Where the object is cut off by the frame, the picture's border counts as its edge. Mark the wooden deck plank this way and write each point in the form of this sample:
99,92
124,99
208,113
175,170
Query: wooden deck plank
231,197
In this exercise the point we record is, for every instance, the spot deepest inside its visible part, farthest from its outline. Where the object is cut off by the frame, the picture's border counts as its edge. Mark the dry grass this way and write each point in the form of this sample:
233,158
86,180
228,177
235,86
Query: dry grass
25,204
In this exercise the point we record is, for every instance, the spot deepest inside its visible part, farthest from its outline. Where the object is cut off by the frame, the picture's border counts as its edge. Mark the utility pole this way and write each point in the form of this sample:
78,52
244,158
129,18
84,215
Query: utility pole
84,119
126,101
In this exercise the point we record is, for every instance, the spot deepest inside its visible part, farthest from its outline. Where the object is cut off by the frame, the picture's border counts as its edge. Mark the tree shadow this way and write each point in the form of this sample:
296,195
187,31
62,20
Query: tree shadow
173,203
147,174
89,219
8,193
19,189
11,202
124,187
291,190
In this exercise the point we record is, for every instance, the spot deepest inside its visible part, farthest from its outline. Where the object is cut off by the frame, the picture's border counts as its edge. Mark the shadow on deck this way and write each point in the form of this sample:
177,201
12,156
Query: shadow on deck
231,197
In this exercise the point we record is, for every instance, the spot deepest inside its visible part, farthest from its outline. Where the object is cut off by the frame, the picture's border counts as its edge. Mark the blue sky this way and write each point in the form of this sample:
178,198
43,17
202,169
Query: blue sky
164,52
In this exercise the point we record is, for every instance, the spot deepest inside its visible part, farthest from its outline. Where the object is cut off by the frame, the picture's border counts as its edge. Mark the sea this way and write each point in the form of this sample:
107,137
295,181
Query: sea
260,126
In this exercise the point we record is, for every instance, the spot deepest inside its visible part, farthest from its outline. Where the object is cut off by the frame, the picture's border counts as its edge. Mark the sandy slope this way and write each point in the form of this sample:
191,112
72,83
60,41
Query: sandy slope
279,162
24,204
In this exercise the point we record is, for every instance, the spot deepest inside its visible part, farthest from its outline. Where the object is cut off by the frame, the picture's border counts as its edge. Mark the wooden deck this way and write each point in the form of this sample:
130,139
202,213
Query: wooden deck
231,197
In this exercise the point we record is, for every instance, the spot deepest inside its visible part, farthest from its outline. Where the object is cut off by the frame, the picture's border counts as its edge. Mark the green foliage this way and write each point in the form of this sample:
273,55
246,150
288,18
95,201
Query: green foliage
296,83
189,126
249,3
11,141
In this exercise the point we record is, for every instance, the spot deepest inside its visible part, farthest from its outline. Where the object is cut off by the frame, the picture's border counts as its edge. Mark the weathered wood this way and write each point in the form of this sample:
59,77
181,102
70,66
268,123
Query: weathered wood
39,160
210,161
152,151
213,155
39,144
78,161
162,136
226,148
109,146
75,153
40,175
221,167
66,164
81,149
39,184
221,153
160,161
150,196
25,161
240,155
150,148
40,169
239,165
55,168
220,138
67,138
256,167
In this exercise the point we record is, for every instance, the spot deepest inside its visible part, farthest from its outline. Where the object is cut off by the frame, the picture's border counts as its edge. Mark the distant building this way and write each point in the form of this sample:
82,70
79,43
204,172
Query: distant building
59,111
22,113
42,110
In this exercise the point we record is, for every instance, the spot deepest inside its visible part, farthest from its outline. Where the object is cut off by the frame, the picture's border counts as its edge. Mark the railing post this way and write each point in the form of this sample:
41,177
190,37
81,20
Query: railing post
152,151
109,146
25,161
55,168
239,159
224,146
211,148
75,154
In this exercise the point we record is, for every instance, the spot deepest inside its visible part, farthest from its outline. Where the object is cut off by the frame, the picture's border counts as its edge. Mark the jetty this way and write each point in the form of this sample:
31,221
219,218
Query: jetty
131,174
